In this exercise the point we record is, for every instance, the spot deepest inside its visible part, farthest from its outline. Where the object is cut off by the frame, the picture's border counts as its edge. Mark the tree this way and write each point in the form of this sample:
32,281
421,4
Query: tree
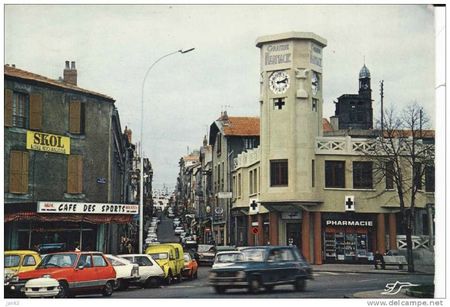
401,156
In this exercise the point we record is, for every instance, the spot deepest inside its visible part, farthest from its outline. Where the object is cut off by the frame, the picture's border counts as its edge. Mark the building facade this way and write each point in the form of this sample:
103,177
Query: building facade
229,136
65,164
310,189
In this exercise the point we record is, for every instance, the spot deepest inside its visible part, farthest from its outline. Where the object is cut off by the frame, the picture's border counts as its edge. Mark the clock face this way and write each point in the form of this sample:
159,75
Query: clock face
315,85
279,82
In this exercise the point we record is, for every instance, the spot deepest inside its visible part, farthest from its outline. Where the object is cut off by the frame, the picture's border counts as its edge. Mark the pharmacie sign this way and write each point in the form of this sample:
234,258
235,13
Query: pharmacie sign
360,223
48,142
86,208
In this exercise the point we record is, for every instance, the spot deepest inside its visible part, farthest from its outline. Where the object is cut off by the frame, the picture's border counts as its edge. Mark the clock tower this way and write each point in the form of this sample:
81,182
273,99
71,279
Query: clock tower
290,114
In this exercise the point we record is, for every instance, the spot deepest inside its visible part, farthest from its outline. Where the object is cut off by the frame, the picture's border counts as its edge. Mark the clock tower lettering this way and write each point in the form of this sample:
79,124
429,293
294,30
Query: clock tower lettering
277,59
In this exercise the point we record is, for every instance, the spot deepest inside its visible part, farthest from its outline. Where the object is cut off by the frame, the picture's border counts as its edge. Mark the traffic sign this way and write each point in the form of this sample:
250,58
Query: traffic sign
255,230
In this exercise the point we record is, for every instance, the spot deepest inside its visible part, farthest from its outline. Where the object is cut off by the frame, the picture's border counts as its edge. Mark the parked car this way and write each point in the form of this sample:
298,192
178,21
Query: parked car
43,287
16,261
151,274
227,258
165,256
126,272
76,272
190,266
206,254
179,230
176,223
48,248
264,266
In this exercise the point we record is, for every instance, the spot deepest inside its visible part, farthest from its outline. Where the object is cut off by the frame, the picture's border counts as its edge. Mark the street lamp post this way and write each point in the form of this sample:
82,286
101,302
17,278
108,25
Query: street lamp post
141,180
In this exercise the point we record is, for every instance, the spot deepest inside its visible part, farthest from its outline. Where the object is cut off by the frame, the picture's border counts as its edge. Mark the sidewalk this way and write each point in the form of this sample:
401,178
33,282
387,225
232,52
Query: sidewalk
369,268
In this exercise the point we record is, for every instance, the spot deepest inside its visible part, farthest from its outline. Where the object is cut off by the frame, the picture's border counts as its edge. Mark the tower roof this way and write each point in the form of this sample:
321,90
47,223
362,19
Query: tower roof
364,72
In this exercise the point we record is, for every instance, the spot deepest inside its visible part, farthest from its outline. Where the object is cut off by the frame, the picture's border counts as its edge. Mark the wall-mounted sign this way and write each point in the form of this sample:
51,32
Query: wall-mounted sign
101,180
276,54
48,142
225,195
253,206
360,223
291,215
349,203
316,55
86,208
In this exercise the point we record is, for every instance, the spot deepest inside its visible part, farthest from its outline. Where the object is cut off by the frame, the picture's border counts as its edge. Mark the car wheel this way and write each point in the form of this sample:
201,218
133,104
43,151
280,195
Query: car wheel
300,284
152,282
108,289
63,290
169,279
220,289
254,284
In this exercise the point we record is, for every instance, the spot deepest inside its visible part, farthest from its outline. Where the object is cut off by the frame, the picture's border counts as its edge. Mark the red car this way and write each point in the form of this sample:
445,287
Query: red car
190,266
76,272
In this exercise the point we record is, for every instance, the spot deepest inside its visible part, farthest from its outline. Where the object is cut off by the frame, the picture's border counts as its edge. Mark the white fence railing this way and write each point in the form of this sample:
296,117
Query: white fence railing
417,242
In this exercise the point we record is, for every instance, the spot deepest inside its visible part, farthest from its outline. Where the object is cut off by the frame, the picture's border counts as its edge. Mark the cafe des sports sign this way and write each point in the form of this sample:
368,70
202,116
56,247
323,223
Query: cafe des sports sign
48,142
86,208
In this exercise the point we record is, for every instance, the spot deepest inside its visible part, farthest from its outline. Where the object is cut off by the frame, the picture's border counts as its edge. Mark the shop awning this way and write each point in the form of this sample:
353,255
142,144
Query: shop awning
88,218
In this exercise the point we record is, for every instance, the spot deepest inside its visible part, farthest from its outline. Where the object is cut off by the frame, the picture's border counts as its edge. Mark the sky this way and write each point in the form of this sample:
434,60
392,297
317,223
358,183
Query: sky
114,45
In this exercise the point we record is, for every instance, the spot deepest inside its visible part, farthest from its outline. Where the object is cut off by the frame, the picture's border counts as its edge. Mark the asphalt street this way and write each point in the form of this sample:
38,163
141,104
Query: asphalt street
324,285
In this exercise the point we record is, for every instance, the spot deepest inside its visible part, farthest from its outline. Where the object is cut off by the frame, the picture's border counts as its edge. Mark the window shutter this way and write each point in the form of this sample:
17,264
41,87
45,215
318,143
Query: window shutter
14,171
18,172
36,111
74,175
70,175
80,174
74,116
8,107
24,173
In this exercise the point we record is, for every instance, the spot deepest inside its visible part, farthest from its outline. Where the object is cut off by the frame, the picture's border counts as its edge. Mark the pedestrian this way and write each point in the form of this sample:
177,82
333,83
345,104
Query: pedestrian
378,260
129,247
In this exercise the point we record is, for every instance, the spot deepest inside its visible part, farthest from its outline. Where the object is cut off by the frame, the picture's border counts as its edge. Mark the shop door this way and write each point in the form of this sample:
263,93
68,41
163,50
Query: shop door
293,234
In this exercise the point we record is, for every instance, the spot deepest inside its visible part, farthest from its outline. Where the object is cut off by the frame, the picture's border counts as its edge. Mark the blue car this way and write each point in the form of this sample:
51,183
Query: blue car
263,267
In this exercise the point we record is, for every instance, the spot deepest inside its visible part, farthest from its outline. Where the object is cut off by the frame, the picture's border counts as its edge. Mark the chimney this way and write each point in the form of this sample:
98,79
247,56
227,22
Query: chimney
70,73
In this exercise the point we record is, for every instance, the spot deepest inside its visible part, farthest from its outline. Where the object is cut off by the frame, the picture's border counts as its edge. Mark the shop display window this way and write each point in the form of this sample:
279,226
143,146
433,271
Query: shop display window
345,246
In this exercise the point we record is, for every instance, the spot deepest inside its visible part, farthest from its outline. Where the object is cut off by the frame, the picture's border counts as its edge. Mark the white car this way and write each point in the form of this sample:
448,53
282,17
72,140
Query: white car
179,230
126,272
42,287
227,258
151,274
152,235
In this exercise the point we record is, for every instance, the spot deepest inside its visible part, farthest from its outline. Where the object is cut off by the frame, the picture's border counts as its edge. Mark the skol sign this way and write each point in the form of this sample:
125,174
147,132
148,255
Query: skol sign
48,142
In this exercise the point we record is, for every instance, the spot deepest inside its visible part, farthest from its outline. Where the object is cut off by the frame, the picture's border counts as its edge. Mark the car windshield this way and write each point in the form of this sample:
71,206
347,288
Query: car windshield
230,257
12,261
254,254
204,248
159,256
58,260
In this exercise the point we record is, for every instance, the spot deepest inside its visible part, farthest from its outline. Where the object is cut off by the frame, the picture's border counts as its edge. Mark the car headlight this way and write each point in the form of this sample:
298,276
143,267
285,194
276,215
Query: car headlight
46,276
15,278
212,275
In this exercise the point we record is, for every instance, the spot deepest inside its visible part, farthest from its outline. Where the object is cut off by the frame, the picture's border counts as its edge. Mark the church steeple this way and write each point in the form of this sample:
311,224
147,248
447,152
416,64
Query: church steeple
364,82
